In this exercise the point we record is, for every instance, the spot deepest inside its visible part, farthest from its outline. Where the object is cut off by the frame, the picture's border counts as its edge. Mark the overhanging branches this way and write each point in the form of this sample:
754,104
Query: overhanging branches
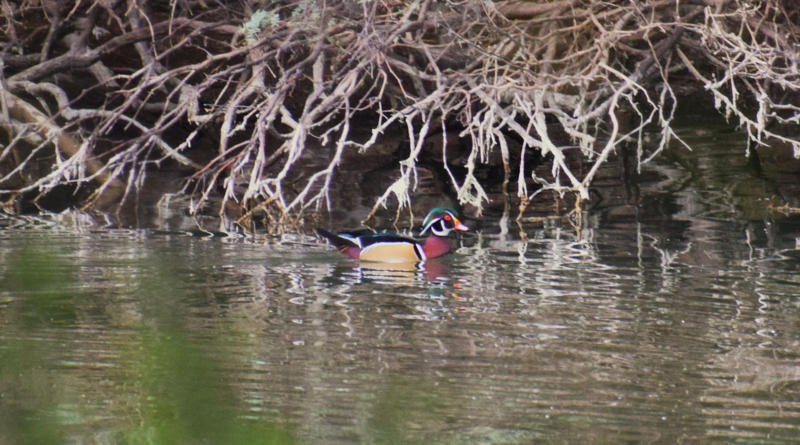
261,83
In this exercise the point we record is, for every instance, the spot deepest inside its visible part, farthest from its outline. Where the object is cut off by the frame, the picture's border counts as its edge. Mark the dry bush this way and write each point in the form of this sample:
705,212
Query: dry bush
260,79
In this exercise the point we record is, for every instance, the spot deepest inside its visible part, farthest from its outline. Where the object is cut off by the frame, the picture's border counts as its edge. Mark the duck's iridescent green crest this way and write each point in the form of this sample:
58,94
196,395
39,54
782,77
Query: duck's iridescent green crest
395,248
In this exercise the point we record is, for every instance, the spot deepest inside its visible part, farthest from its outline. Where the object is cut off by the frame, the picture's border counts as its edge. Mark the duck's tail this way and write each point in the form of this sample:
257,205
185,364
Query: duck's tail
342,243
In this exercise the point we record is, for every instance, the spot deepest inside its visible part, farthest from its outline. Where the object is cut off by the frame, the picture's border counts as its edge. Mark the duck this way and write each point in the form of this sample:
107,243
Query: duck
395,248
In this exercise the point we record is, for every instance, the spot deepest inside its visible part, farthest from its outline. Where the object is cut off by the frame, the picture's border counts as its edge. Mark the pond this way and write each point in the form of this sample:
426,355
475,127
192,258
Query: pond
671,316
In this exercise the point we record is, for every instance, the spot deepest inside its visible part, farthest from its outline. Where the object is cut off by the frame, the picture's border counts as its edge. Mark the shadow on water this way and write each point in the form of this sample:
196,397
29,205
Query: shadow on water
174,390
30,410
670,316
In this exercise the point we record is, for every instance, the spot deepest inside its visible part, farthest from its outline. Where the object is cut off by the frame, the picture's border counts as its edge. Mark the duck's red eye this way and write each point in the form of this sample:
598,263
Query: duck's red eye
447,217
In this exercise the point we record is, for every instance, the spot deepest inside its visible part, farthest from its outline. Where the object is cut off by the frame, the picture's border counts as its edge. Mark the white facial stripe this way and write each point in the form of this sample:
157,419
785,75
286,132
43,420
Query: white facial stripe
439,229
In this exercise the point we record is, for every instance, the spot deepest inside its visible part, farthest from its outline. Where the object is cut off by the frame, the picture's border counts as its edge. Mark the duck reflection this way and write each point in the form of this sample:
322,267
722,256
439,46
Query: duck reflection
432,270
427,284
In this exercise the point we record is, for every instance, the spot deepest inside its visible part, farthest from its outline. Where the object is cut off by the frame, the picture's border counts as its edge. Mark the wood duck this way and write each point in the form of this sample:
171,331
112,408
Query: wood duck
395,248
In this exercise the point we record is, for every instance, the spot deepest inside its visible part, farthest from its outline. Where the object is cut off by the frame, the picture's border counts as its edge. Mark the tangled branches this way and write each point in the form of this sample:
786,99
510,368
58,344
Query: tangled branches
235,93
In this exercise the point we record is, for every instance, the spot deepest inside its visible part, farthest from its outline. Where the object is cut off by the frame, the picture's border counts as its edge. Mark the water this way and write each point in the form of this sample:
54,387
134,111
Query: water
670,317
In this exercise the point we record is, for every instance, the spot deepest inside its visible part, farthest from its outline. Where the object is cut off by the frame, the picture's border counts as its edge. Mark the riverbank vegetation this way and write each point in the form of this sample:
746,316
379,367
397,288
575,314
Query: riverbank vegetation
97,95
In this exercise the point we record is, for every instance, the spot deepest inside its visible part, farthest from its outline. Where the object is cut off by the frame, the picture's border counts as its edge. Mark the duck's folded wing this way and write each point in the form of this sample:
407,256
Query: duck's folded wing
380,238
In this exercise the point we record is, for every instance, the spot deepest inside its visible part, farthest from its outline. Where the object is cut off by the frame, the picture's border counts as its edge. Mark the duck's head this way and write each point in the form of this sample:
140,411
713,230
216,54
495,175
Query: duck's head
442,221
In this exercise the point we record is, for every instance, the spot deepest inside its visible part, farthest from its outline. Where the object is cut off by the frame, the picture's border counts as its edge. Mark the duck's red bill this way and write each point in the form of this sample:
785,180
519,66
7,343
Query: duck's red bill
460,227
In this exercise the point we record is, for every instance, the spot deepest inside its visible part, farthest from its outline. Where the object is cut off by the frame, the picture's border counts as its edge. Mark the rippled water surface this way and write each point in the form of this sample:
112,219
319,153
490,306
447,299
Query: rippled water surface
672,316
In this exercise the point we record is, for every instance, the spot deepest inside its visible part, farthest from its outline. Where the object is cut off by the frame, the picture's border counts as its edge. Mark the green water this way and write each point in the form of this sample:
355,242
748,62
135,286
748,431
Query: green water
671,317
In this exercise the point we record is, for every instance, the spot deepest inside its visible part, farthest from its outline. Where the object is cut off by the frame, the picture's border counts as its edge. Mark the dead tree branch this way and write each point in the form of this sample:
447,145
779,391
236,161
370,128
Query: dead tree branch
257,83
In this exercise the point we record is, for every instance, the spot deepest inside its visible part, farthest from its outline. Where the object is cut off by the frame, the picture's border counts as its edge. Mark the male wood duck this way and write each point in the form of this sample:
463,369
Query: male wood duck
395,248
